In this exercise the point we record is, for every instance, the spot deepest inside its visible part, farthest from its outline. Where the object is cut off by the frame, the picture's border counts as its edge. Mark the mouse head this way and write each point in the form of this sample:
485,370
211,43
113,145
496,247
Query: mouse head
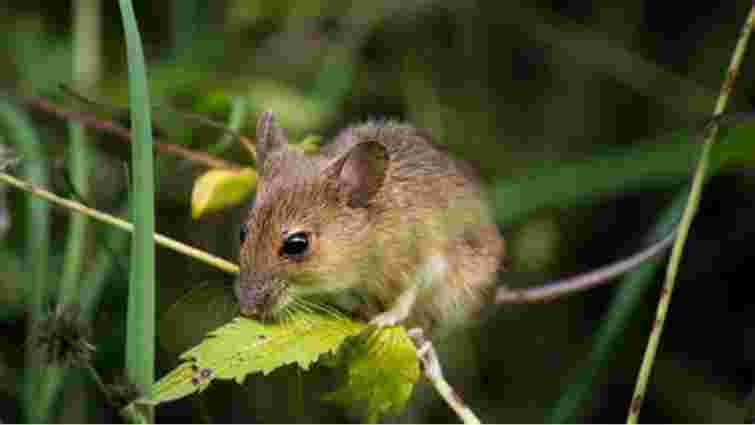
309,220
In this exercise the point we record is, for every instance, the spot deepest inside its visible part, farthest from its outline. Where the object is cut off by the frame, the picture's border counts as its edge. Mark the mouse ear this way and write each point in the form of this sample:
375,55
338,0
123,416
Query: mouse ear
360,172
270,137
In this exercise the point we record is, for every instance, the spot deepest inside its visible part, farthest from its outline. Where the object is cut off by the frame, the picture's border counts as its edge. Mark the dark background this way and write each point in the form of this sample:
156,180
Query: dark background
508,86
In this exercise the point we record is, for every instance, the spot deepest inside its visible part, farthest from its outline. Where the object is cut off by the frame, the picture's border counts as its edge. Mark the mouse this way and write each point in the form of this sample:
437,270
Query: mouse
381,223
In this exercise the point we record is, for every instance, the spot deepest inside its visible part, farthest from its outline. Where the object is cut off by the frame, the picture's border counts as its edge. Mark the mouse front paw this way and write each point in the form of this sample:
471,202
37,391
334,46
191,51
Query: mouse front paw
398,312
389,318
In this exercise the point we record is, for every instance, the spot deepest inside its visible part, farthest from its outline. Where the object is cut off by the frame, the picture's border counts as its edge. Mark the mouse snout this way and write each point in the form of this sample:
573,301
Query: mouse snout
257,295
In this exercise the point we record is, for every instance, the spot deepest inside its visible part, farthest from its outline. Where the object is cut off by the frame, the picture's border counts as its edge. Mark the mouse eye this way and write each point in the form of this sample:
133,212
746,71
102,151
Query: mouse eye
295,245
242,233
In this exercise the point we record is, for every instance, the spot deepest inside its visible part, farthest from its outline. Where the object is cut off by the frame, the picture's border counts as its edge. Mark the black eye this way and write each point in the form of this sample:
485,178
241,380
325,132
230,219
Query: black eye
295,245
242,233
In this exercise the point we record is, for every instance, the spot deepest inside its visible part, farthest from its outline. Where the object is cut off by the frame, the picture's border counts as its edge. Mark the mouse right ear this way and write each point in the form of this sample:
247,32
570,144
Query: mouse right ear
270,137
360,172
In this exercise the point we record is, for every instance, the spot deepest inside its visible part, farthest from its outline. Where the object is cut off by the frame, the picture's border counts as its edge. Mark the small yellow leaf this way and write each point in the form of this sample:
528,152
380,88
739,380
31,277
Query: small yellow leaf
221,188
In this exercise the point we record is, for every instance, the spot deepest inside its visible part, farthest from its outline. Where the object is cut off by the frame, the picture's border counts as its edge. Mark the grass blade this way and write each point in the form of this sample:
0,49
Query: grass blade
642,166
625,302
140,334
37,401
86,69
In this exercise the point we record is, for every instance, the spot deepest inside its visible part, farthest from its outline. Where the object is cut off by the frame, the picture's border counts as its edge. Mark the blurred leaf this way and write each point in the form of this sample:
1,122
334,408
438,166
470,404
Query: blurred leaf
219,189
41,59
214,101
336,77
310,144
235,122
206,307
295,111
660,164
246,346
734,145
382,368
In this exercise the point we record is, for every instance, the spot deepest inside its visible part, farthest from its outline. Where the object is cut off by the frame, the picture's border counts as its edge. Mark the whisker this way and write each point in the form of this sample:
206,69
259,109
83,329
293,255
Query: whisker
325,309
300,304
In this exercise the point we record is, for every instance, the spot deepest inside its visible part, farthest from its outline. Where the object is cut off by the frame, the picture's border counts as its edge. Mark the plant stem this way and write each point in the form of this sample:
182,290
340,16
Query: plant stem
162,240
687,217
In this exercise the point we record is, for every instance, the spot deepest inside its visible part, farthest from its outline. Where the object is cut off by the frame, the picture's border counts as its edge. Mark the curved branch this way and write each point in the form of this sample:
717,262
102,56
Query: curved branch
583,281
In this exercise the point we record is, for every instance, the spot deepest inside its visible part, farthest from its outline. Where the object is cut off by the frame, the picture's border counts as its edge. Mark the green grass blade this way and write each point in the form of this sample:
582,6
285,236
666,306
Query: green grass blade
76,239
34,168
93,285
11,302
641,166
187,19
86,69
140,334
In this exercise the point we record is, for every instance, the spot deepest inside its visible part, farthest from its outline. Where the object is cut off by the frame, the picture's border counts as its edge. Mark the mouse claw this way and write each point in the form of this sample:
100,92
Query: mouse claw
416,334
388,318
421,343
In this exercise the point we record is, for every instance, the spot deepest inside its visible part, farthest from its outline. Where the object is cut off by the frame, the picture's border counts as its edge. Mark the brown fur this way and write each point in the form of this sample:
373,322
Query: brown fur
373,229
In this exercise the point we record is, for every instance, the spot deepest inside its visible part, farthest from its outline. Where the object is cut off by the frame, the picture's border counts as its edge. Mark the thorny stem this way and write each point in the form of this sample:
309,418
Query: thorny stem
686,221
185,115
124,135
162,240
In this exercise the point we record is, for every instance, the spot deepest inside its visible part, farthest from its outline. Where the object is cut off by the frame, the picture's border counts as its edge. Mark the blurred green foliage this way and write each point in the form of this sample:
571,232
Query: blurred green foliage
574,112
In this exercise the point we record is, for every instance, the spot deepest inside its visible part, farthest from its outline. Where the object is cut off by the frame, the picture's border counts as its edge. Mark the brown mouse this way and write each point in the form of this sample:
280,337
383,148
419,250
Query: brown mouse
380,223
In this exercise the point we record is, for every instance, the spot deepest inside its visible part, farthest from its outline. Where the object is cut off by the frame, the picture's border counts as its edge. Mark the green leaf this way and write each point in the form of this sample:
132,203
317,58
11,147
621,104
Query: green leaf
246,346
219,189
382,368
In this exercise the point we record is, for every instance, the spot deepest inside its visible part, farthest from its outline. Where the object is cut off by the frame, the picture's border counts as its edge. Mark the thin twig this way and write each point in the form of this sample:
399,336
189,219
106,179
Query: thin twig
434,373
162,240
584,281
101,386
686,221
70,91
92,121
228,132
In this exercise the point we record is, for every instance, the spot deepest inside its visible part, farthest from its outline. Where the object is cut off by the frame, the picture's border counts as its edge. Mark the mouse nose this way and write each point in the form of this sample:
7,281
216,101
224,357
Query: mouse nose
247,299
255,295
